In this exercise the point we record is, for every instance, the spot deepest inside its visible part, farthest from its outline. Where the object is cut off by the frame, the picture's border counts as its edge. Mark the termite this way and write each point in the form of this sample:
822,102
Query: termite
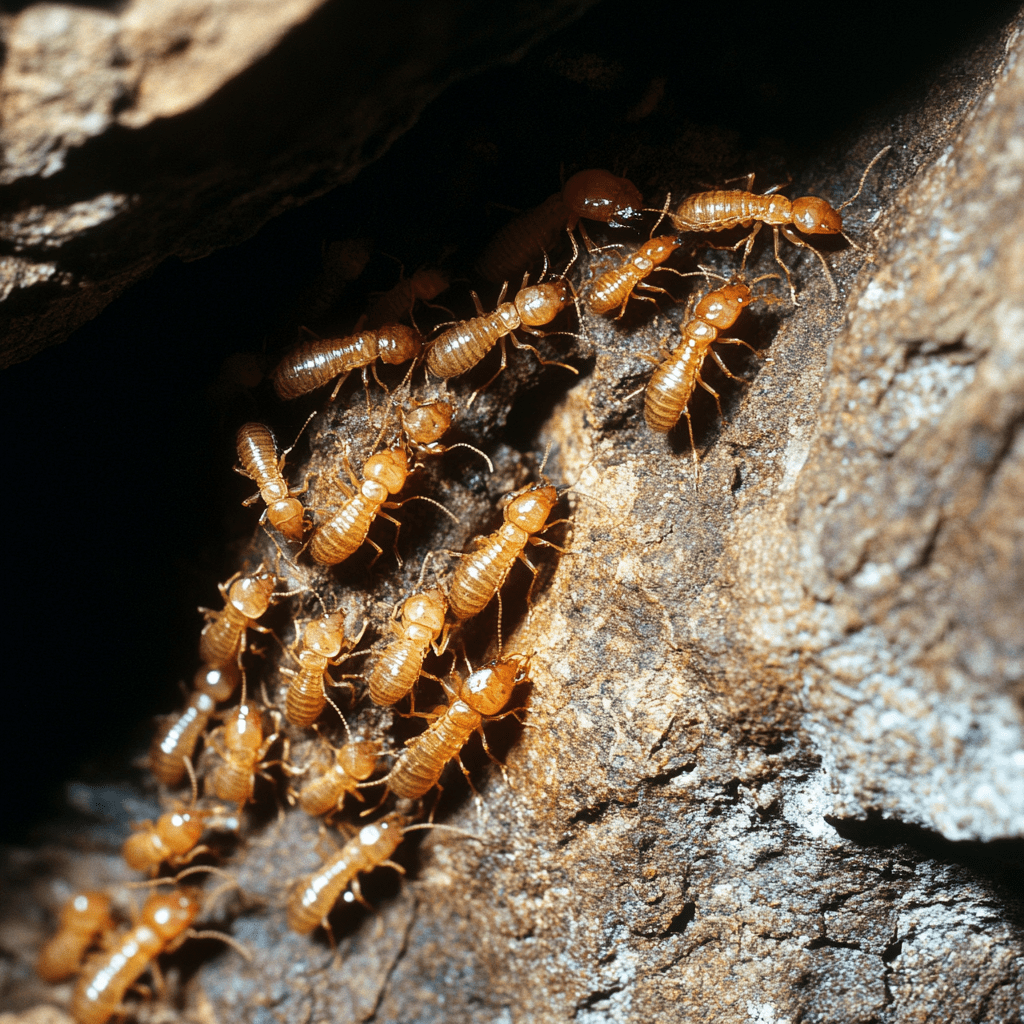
257,453
315,895
483,694
671,387
396,671
175,743
164,924
350,764
460,348
83,919
481,573
246,598
241,748
321,646
397,303
425,424
319,360
594,194
722,210
616,286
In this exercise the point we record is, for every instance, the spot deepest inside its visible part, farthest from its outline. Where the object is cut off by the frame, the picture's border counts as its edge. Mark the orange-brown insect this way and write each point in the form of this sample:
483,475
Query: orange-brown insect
594,194
241,748
314,896
164,924
397,303
481,696
172,838
615,287
670,389
246,598
175,743
396,671
350,764
319,360
721,210
481,573
424,426
257,452
461,347
83,919
321,646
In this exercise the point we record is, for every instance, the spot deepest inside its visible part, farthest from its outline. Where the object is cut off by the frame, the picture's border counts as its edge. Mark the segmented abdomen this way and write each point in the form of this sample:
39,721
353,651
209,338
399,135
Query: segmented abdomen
343,534
257,451
396,671
611,289
461,347
524,240
177,740
232,782
481,572
422,762
670,388
320,360
107,975
306,697
323,794
221,639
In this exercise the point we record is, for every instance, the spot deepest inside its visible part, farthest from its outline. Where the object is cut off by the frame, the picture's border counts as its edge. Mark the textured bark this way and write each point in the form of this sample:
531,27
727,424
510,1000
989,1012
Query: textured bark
770,769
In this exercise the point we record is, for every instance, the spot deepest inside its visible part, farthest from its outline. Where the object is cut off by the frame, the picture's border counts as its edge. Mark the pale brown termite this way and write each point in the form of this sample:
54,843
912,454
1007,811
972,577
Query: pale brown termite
164,924
616,286
350,764
593,194
241,748
481,573
83,919
460,348
246,598
672,385
315,895
425,424
322,642
397,303
319,360
398,668
172,838
481,696
722,210
175,742
257,453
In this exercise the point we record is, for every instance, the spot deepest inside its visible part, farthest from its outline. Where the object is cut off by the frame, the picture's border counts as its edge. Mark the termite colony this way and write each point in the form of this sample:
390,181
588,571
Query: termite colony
269,711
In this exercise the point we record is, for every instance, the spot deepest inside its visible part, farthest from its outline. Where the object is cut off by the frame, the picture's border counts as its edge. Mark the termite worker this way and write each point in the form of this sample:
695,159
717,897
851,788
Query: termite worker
83,919
246,599
257,453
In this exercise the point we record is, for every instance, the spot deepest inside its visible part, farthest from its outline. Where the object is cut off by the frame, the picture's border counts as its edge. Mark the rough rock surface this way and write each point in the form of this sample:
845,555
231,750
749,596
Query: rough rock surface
773,740
157,129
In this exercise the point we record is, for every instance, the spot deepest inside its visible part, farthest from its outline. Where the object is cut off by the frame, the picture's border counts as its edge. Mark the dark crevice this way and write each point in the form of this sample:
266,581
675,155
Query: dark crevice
679,923
597,997
824,942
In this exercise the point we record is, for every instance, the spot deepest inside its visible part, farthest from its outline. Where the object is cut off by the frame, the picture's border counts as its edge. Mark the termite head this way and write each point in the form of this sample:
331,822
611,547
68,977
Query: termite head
541,303
170,913
286,516
488,689
428,423
251,594
657,250
427,610
528,509
385,835
398,344
325,636
358,759
217,683
722,307
600,195
388,468
87,911
814,216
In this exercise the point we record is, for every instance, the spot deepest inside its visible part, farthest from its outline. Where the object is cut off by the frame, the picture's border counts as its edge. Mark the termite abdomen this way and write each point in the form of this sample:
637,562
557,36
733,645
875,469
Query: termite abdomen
83,919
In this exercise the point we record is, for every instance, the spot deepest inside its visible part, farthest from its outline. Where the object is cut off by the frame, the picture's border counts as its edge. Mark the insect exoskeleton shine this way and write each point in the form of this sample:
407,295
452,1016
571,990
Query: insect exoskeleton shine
240,746
257,453
397,303
315,895
725,209
483,694
616,286
672,384
398,668
321,644
594,194
480,573
349,765
83,919
319,360
246,599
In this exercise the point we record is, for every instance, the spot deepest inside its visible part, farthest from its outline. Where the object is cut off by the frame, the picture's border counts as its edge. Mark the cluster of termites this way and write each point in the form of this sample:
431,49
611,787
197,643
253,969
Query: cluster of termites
253,704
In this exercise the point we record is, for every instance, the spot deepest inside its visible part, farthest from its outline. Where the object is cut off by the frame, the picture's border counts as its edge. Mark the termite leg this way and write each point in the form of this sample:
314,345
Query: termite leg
711,391
793,237
504,360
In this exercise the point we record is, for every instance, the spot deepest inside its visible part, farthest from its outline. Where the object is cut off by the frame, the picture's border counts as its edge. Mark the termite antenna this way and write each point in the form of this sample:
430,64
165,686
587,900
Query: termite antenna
874,160
192,777
423,497
444,828
233,943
